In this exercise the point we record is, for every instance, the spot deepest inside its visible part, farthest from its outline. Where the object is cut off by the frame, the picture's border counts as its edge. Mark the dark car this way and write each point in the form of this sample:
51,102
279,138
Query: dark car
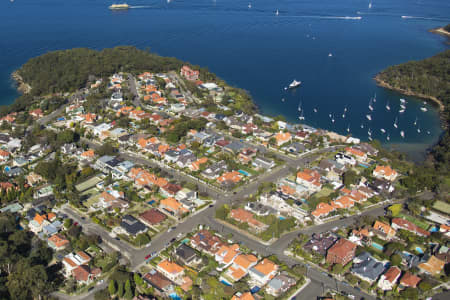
173,240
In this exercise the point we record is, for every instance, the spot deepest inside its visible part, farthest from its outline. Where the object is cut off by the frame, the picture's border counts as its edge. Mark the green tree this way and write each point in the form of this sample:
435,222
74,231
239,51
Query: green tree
142,239
350,177
112,287
128,291
395,209
396,259
119,289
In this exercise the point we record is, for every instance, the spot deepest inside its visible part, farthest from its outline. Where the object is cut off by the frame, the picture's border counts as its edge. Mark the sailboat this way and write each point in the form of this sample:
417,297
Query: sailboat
277,13
388,137
369,117
348,128
249,5
375,97
302,117
396,122
402,134
387,106
370,104
370,4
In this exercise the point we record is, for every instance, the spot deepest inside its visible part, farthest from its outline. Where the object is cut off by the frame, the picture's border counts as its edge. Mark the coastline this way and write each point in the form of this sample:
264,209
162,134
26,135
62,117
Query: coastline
441,31
22,86
384,84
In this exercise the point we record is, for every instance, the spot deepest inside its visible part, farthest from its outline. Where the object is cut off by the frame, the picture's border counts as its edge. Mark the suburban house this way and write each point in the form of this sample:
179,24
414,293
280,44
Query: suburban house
399,223
172,206
205,241
84,274
170,190
367,268
243,296
433,266
342,252
263,272
171,270
385,172
282,138
189,74
389,279
409,280
226,255
57,242
132,226
280,284
356,153
161,283
322,210
229,178
320,243
186,254
152,217
241,264
387,231
111,199
214,171
310,179
72,260
243,216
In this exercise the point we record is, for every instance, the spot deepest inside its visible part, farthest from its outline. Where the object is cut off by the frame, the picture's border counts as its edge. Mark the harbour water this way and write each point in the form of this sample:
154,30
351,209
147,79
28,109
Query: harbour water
259,51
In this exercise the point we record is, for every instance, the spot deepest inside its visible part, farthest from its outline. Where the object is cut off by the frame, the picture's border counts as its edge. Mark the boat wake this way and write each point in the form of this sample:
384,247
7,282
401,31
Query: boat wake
329,17
424,18
141,6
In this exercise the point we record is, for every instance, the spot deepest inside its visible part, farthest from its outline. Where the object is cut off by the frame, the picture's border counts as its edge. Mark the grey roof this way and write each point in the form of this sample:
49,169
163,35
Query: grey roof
106,158
185,252
282,283
234,146
368,267
132,225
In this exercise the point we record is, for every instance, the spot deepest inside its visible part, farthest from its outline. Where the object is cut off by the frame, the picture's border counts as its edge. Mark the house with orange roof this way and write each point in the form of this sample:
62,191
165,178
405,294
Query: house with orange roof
84,275
232,177
399,223
409,280
243,296
389,279
88,154
356,153
385,172
342,252
263,272
4,155
310,179
226,255
240,266
36,113
33,178
89,118
243,216
433,266
322,210
125,110
282,138
189,74
57,242
343,202
172,206
72,260
383,230
111,199
357,196
195,166
10,118
39,221
171,270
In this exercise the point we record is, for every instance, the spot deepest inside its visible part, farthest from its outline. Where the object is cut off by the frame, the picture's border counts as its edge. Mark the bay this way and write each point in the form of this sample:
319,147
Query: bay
259,51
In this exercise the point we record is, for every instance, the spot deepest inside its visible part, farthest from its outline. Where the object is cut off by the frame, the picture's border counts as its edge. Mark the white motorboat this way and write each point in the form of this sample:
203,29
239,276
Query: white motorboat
402,134
428,132
332,119
396,122
369,117
402,106
387,106
282,99
315,110
329,116
415,122
402,100
348,128
383,130
369,132
424,109
277,13
249,5
330,55
294,84
388,137
418,130
343,116
401,111
362,125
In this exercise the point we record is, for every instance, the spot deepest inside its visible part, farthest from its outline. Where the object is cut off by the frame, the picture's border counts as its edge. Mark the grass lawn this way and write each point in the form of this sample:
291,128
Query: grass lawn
323,193
442,206
91,192
422,224
92,200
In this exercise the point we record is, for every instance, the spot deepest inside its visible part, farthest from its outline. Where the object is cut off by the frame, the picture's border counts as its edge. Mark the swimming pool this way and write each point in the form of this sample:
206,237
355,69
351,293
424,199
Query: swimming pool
281,218
244,173
419,250
363,165
185,241
377,246
174,296
225,282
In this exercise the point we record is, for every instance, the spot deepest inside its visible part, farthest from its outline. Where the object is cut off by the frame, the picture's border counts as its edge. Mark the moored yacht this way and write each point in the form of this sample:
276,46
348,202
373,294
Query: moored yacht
294,84
369,117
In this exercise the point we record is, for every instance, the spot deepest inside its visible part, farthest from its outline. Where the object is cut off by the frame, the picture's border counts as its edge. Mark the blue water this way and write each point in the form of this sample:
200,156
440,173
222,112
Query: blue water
256,50
225,282
175,296
419,250
364,165
245,173
281,218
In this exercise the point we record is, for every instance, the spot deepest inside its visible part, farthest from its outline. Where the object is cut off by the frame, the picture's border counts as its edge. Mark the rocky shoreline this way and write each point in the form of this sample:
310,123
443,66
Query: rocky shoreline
22,87
384,84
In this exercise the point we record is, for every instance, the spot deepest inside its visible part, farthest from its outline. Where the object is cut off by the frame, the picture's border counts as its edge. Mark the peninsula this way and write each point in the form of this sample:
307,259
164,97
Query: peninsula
127,174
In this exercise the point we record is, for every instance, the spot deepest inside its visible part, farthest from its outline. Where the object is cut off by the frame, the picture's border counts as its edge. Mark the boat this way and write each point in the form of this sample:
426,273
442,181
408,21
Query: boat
277,13
362,125
402,106
294,84
330,55
396,122
299,108
375,97
424,109
402,134
388,137
332,119
345,109
383,130
369,132
301,117
401,111
343,116
348,128
370,138
415,122
315,110
369,117
428,132
329,115
119,6
418,130
249,5
282,99
370,104
370,4
387,106
402,100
